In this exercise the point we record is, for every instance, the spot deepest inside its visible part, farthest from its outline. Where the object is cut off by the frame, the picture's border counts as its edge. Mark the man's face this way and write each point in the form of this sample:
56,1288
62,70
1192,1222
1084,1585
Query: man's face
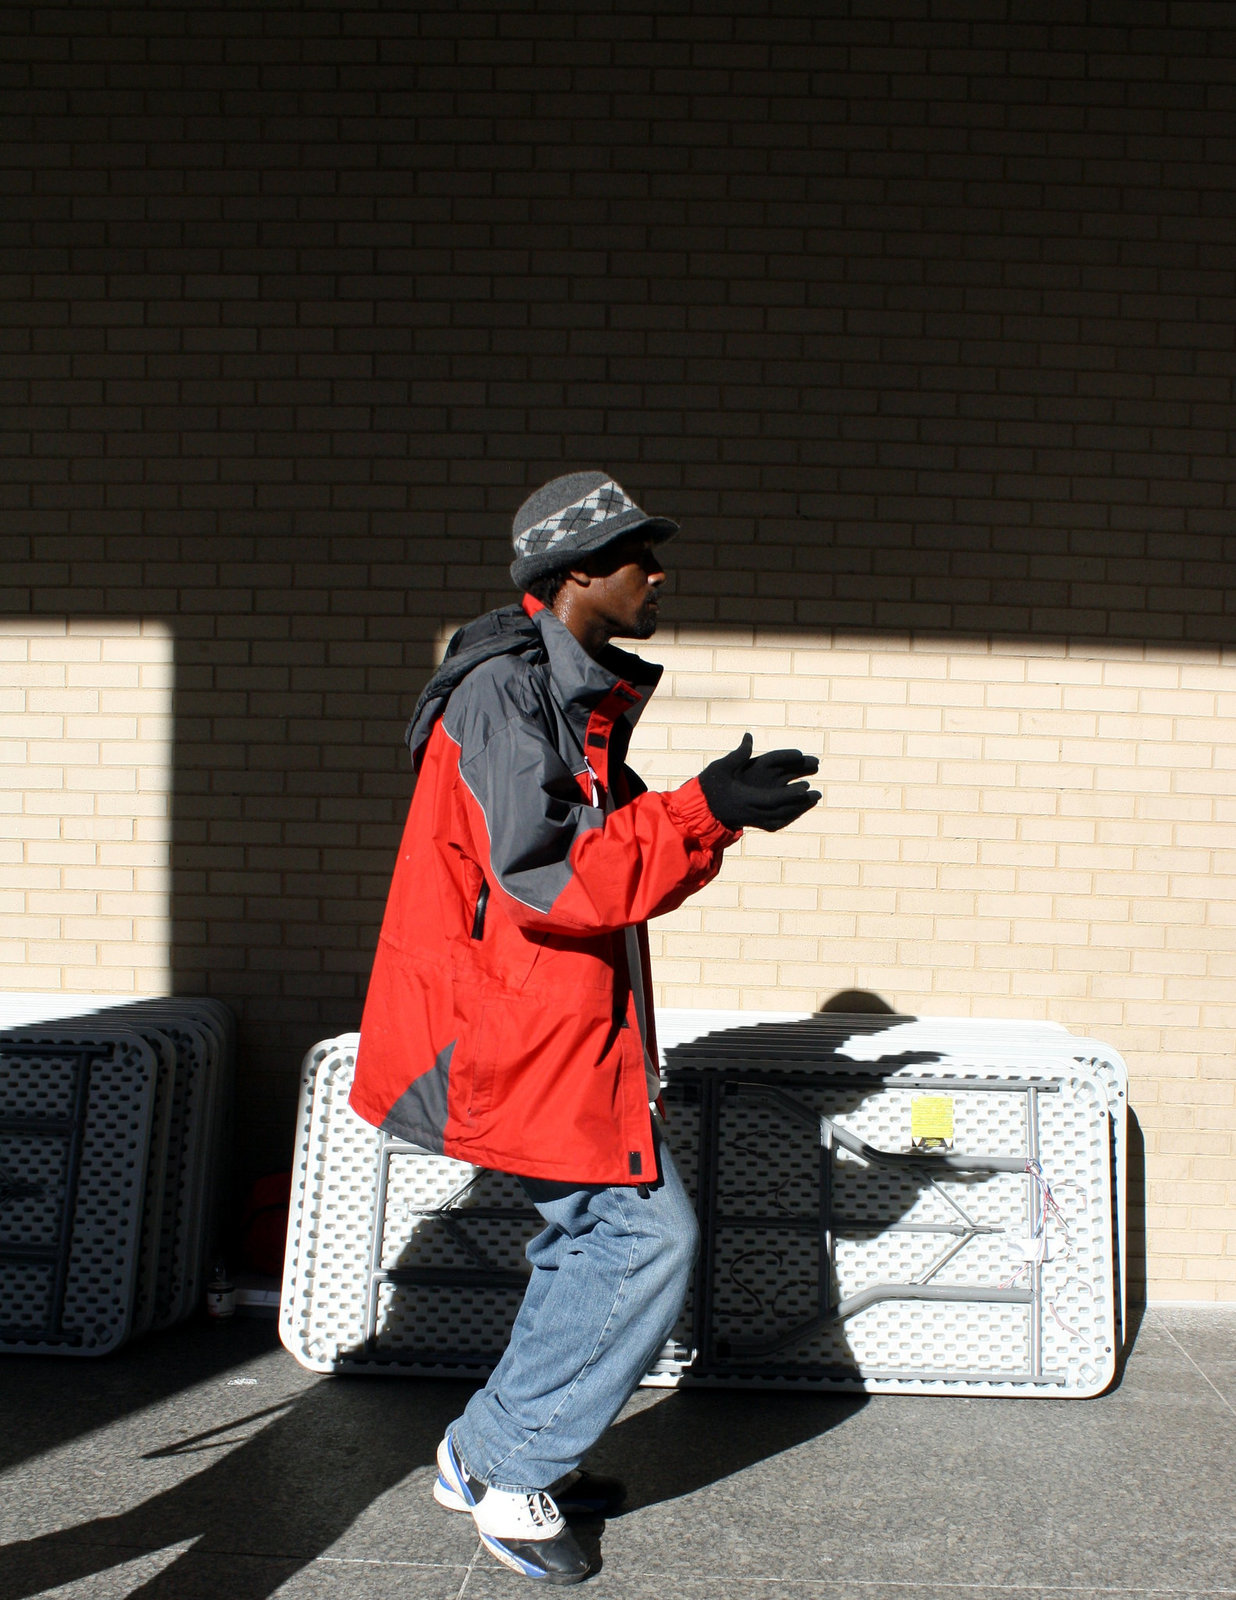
622,591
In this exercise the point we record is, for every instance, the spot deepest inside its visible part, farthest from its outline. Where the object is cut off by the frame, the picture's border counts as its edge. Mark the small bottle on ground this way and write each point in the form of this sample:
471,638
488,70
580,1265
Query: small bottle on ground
220,1292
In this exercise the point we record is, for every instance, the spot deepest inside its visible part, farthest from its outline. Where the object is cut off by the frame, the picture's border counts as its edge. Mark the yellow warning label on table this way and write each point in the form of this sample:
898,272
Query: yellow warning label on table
931,1117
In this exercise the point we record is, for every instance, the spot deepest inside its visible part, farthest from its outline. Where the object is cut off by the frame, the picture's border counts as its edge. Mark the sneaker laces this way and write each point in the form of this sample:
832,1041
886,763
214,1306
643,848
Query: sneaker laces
518,1514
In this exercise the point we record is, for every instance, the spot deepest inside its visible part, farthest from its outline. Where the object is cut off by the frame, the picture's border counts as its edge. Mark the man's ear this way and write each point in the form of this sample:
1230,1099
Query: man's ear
580,576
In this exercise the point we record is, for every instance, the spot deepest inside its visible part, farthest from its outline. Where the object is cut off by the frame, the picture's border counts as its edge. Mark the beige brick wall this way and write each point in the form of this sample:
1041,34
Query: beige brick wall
1008,829
85,800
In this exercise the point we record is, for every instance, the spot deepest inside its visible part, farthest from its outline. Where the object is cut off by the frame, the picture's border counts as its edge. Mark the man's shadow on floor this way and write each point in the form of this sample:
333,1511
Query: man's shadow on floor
696,1437
304,1471
310,1467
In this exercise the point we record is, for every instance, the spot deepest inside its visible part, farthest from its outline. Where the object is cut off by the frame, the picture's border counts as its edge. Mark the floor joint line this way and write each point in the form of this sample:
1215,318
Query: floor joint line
467,1577
1198,1369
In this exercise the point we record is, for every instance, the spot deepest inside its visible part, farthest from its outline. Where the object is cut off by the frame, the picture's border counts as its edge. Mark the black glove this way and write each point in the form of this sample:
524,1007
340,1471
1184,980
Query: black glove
742,793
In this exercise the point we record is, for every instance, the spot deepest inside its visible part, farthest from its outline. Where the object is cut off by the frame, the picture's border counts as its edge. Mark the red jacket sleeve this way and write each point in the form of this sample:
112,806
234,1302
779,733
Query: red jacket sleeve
564,866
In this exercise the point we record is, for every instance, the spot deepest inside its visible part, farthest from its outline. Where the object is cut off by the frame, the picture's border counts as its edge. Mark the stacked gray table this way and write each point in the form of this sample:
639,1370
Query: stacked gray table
113,1125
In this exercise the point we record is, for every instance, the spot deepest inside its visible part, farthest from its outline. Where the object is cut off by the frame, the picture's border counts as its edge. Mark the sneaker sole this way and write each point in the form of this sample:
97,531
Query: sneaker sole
449,1499
525,1569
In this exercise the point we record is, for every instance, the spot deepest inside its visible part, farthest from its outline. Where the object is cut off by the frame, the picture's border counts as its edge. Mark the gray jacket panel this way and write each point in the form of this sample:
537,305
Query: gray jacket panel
523,727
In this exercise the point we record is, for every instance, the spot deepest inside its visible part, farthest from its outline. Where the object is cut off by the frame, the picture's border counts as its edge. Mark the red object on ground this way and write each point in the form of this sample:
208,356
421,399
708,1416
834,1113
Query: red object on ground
264,1224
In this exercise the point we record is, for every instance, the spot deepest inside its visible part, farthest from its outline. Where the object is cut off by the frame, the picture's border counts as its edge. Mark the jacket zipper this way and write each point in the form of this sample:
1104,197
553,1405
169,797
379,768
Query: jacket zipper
478,916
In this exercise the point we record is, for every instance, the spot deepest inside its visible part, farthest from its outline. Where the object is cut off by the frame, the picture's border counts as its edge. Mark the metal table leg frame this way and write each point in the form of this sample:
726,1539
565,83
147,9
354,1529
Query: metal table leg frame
830,1310
484,1274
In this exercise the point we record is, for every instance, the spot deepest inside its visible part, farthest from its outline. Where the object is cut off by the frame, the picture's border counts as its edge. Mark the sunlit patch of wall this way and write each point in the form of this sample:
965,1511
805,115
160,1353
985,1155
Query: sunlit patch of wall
85,804
1009,828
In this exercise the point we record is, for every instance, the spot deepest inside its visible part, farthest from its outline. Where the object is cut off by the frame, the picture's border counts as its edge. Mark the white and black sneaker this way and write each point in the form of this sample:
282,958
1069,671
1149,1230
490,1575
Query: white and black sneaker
522,1528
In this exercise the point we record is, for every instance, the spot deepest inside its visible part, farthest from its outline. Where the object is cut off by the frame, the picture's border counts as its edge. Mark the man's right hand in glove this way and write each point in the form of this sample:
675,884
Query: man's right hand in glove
759,793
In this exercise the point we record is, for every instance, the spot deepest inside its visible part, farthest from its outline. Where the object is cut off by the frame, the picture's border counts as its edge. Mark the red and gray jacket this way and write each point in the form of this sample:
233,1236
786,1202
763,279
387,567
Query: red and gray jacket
508,1021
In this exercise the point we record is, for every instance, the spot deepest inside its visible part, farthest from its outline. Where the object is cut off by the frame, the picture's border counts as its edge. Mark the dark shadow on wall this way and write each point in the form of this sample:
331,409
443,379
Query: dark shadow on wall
1135,1264
857,1003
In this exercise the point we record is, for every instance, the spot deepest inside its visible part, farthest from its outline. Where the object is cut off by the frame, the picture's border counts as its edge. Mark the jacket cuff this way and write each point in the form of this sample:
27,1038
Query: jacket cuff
689,811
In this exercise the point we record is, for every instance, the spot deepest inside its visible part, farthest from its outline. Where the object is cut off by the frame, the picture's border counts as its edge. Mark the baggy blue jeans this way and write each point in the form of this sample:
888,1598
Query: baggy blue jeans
609,1275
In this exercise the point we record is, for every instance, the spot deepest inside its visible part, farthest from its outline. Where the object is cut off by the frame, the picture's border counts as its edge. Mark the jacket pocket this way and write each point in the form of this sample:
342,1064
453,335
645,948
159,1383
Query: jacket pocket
484,1051
478,915
519,1050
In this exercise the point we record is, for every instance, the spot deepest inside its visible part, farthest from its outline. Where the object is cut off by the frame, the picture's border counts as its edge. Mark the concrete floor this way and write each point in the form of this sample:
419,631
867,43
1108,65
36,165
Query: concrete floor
205,1462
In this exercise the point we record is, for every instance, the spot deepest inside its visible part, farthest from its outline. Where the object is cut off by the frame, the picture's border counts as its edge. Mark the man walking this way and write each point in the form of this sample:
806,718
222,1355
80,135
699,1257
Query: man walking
508,1021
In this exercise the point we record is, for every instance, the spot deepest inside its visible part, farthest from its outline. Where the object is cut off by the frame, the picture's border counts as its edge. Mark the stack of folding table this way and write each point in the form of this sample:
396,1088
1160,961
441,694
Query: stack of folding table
919,1205
114,1125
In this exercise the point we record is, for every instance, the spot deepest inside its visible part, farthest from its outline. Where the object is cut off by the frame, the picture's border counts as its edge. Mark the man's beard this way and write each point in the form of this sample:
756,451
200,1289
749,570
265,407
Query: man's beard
645,621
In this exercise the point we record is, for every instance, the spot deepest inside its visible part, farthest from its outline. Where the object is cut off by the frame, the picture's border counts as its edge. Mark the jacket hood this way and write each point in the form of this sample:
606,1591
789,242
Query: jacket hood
505,632
579,681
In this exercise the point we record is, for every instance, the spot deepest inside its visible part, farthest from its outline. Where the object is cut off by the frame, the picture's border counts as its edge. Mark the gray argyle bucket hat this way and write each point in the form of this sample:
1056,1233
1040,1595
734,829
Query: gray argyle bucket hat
574,516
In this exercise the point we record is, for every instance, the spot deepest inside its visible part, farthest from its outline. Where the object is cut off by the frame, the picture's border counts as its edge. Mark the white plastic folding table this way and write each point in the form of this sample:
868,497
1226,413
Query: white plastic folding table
838,1251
